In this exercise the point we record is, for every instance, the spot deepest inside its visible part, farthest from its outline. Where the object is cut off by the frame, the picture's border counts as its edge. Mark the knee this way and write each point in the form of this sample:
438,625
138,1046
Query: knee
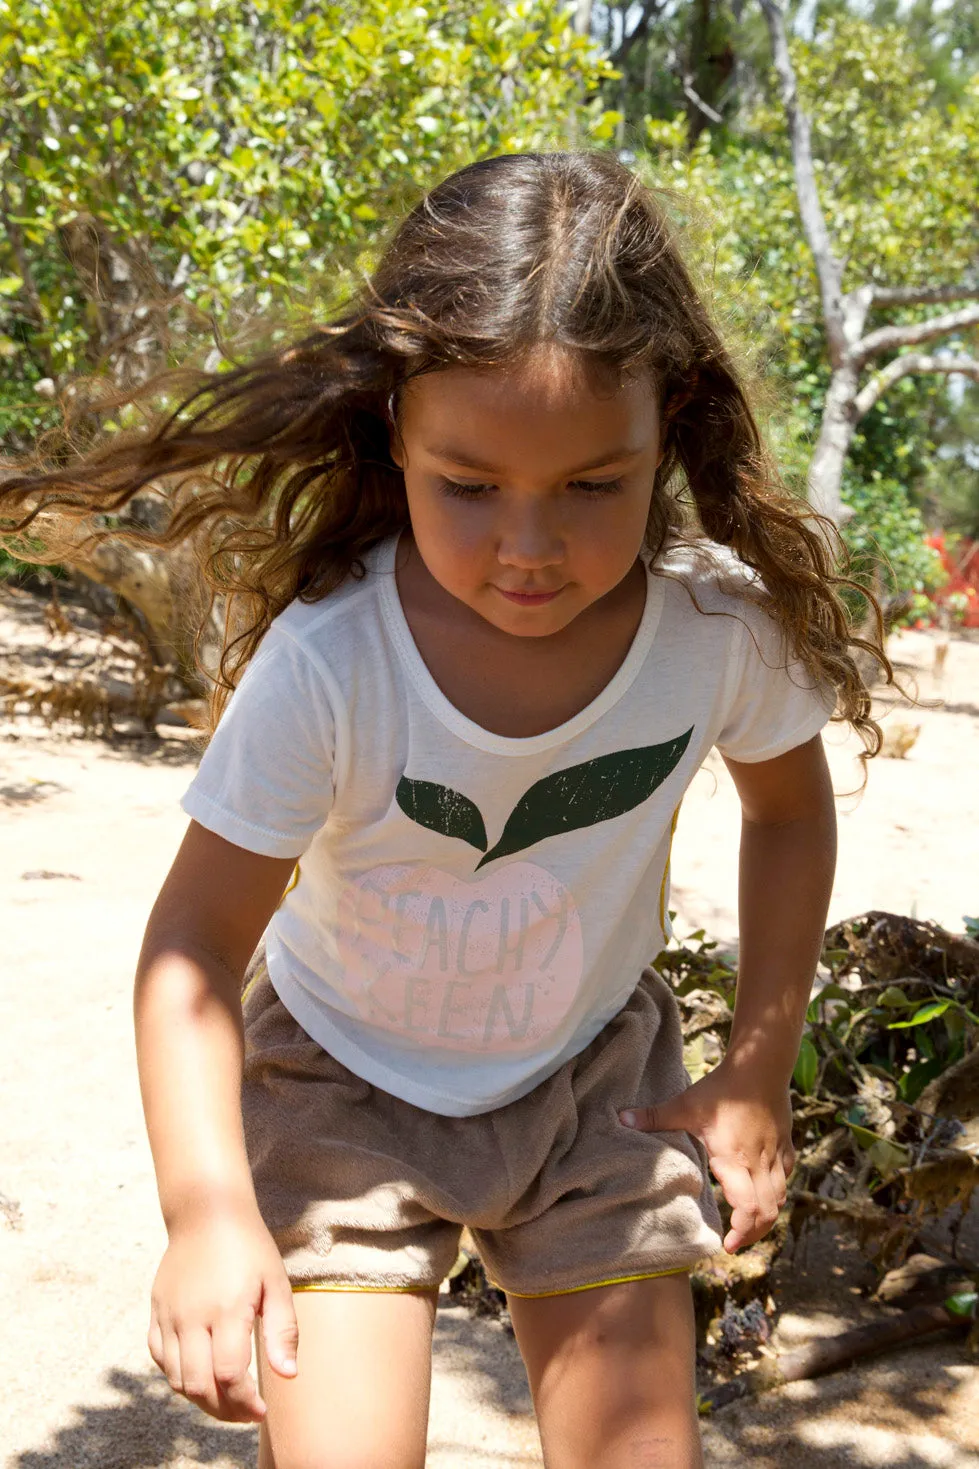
329,1454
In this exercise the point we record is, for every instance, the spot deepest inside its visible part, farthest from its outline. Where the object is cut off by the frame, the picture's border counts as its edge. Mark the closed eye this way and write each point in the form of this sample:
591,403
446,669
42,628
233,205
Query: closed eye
588,486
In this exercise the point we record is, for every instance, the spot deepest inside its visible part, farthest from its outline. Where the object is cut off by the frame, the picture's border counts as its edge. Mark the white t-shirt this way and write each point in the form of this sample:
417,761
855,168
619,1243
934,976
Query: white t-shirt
472,909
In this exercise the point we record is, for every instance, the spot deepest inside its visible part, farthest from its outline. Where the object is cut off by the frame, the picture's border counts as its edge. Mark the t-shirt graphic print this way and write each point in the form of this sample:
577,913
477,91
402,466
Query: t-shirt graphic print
494,963
469,909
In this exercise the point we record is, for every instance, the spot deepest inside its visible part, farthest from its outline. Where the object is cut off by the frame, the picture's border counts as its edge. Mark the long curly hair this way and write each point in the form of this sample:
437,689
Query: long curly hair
279,471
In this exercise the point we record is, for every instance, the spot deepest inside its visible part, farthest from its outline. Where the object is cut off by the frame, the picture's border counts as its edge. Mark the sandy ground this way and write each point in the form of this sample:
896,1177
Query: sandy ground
89,829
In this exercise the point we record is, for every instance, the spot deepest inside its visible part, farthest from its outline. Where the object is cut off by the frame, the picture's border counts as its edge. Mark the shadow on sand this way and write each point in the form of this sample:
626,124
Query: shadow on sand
148,1428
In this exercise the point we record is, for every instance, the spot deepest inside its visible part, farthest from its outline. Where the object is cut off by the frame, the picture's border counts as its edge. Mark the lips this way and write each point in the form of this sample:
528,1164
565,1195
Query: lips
528,598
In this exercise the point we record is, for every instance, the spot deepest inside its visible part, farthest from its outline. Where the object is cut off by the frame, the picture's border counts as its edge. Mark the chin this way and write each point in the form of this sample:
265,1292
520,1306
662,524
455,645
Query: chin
527,622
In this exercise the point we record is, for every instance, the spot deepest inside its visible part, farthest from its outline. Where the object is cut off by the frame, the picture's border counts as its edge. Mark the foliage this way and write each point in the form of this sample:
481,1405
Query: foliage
886,534
242,153
894,1012
896,178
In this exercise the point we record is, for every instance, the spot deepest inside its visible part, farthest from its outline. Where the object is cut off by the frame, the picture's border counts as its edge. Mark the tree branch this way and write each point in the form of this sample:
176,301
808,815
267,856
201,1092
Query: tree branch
828,267
649,12
888,338
922,295
911,362
698,102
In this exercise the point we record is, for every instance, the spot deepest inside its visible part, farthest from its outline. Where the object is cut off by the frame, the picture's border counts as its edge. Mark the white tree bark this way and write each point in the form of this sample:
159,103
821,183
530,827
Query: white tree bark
844,316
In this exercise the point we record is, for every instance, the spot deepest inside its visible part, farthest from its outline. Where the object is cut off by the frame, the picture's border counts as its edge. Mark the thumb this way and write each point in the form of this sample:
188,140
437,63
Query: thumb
280,1330
669,1116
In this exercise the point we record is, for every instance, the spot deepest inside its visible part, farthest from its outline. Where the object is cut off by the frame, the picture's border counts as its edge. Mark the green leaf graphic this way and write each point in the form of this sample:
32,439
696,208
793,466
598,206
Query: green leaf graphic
587,794
442,810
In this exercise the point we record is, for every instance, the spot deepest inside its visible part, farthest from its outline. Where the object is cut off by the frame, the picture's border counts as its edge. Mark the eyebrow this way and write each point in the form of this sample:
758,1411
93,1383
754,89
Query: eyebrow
460,457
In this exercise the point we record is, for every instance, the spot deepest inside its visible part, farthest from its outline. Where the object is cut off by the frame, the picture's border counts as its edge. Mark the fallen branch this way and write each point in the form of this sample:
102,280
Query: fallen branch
830,1354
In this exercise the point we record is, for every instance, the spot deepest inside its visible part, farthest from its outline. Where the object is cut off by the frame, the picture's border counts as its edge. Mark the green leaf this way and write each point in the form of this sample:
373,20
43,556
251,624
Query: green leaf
441,809
922,1016
913,1082
806,1066
604,127
964,1303
863,1135
363,211
835,956
833,991
362,38
583,795
10,285
894,998
887,1156
428,125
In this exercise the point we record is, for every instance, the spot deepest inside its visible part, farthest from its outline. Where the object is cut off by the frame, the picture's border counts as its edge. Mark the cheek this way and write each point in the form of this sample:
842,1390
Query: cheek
452,538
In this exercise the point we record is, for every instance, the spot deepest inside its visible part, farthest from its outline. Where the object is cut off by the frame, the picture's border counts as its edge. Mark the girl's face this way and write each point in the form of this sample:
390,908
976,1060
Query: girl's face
527,481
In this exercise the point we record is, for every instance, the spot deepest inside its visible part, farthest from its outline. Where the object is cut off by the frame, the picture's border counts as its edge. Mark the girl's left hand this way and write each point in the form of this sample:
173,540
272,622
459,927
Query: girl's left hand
746,1127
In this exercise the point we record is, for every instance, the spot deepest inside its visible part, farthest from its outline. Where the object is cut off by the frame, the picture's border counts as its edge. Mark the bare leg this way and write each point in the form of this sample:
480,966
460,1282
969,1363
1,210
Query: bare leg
612,1374
360,1397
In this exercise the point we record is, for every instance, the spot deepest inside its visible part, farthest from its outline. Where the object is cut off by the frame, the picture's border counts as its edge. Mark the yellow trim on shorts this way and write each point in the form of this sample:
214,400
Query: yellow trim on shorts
571,1290
397,1290
252,982
666,871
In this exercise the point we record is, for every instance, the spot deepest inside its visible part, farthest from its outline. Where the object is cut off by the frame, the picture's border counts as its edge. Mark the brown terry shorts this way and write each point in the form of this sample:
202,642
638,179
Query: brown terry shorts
363,1191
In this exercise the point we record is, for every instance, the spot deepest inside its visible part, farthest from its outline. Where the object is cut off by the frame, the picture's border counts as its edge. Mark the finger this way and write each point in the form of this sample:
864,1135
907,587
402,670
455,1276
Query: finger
154,1340
779,1181
788,1161
231,1355
667,1117
767,1202
280,1330
171,1356
196,1371
739,1190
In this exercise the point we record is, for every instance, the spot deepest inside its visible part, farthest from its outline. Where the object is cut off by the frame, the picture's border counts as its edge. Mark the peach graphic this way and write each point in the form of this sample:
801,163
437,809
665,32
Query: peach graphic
489,965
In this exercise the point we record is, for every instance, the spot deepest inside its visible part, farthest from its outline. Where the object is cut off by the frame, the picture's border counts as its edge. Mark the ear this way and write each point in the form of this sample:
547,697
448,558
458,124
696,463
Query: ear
395,444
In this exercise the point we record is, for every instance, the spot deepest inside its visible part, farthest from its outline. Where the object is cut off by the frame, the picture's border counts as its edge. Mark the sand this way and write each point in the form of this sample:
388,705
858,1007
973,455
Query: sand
89,829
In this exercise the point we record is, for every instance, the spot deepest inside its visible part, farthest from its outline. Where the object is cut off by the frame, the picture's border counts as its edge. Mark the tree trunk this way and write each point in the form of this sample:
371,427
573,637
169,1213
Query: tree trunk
710,61
165,588
835,437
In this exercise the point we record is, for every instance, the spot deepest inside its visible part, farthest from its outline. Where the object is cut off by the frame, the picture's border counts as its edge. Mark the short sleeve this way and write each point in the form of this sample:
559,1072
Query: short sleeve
266,780
773,703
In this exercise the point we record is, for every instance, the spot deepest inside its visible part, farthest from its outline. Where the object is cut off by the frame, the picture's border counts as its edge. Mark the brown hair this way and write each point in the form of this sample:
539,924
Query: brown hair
507,254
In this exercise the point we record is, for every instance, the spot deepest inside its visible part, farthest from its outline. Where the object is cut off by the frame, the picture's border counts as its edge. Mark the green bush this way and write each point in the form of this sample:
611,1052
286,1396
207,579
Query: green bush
886,535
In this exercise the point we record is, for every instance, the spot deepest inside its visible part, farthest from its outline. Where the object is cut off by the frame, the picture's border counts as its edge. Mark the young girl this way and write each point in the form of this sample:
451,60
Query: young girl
397,980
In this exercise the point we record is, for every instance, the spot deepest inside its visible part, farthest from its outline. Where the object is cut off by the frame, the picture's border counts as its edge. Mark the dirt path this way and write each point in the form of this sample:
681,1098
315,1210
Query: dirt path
89,830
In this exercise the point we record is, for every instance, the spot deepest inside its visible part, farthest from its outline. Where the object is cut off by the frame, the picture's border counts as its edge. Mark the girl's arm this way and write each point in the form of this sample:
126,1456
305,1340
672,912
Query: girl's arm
221,1267
741,1109
788,859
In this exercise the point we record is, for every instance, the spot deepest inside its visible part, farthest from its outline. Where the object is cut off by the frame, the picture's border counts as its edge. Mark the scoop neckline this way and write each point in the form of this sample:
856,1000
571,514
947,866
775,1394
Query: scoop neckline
467,729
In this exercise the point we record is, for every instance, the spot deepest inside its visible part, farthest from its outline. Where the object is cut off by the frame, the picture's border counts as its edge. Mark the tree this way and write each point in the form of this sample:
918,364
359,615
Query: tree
851,349
162,166
167,174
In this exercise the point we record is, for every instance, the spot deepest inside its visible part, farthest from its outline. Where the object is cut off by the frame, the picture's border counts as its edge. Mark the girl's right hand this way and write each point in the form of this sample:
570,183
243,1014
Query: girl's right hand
216,1276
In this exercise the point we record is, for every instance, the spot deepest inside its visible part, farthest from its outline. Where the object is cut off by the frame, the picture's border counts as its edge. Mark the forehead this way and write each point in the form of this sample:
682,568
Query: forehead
546,401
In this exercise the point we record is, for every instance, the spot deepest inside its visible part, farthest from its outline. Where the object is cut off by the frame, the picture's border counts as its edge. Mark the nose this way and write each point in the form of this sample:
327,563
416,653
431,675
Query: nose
529,540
